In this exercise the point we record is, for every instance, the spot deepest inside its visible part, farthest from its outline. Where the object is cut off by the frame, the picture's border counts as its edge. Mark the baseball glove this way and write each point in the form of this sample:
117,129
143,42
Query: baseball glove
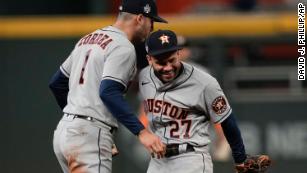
254,164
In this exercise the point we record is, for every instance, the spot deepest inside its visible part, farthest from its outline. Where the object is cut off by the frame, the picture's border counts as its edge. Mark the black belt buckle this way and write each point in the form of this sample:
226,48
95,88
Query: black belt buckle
83,117
173,150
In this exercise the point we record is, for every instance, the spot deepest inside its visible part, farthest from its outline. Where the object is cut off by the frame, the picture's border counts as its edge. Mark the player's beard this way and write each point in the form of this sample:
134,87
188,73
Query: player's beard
138,38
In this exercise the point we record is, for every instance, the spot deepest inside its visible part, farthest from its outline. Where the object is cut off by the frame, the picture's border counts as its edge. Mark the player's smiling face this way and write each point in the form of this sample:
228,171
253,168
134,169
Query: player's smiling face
166,66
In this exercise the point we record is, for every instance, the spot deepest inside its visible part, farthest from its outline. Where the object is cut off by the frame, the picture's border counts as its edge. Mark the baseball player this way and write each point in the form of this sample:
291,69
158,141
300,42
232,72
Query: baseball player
180,101
89,87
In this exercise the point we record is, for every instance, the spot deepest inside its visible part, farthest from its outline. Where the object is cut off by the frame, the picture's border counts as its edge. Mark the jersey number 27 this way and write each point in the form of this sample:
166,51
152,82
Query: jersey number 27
175,128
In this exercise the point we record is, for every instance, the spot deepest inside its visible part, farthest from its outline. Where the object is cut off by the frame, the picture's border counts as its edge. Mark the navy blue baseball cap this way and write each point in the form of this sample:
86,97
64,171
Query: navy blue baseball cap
146,7
160,42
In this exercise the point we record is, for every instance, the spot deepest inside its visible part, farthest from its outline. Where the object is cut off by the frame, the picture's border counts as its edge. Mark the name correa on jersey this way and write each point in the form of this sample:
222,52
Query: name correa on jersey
159,106
100,39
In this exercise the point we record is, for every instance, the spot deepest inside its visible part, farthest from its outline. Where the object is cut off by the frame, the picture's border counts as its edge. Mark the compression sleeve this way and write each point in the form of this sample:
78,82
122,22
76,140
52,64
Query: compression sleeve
233,136
59,87
111,93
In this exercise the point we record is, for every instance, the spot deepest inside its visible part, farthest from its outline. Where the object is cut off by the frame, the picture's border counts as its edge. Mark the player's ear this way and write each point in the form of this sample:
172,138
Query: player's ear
139,18
149,59
178,53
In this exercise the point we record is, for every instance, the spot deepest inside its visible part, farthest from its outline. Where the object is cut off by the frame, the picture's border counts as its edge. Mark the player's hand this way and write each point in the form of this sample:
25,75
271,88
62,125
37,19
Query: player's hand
152,143
115,151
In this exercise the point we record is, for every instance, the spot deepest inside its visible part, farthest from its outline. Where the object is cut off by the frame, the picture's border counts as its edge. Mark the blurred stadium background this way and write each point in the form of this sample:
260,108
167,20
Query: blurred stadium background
249,45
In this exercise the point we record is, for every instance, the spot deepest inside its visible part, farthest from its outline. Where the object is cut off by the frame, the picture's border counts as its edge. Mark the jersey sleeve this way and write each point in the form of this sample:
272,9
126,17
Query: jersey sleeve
66,66
120,65
216,102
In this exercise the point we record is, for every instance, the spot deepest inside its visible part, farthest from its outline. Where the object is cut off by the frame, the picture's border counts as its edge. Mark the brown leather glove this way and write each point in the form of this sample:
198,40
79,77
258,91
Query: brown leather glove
254,164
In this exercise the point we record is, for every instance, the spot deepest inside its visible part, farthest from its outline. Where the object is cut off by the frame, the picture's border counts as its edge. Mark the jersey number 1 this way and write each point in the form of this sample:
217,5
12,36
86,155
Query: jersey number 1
81,80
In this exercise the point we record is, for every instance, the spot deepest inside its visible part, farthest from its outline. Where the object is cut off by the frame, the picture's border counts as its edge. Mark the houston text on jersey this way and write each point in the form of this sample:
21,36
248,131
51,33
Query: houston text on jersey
159,106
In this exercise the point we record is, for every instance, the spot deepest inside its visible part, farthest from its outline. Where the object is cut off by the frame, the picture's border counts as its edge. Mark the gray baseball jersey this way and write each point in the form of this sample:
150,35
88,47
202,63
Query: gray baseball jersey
104,54
179,111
